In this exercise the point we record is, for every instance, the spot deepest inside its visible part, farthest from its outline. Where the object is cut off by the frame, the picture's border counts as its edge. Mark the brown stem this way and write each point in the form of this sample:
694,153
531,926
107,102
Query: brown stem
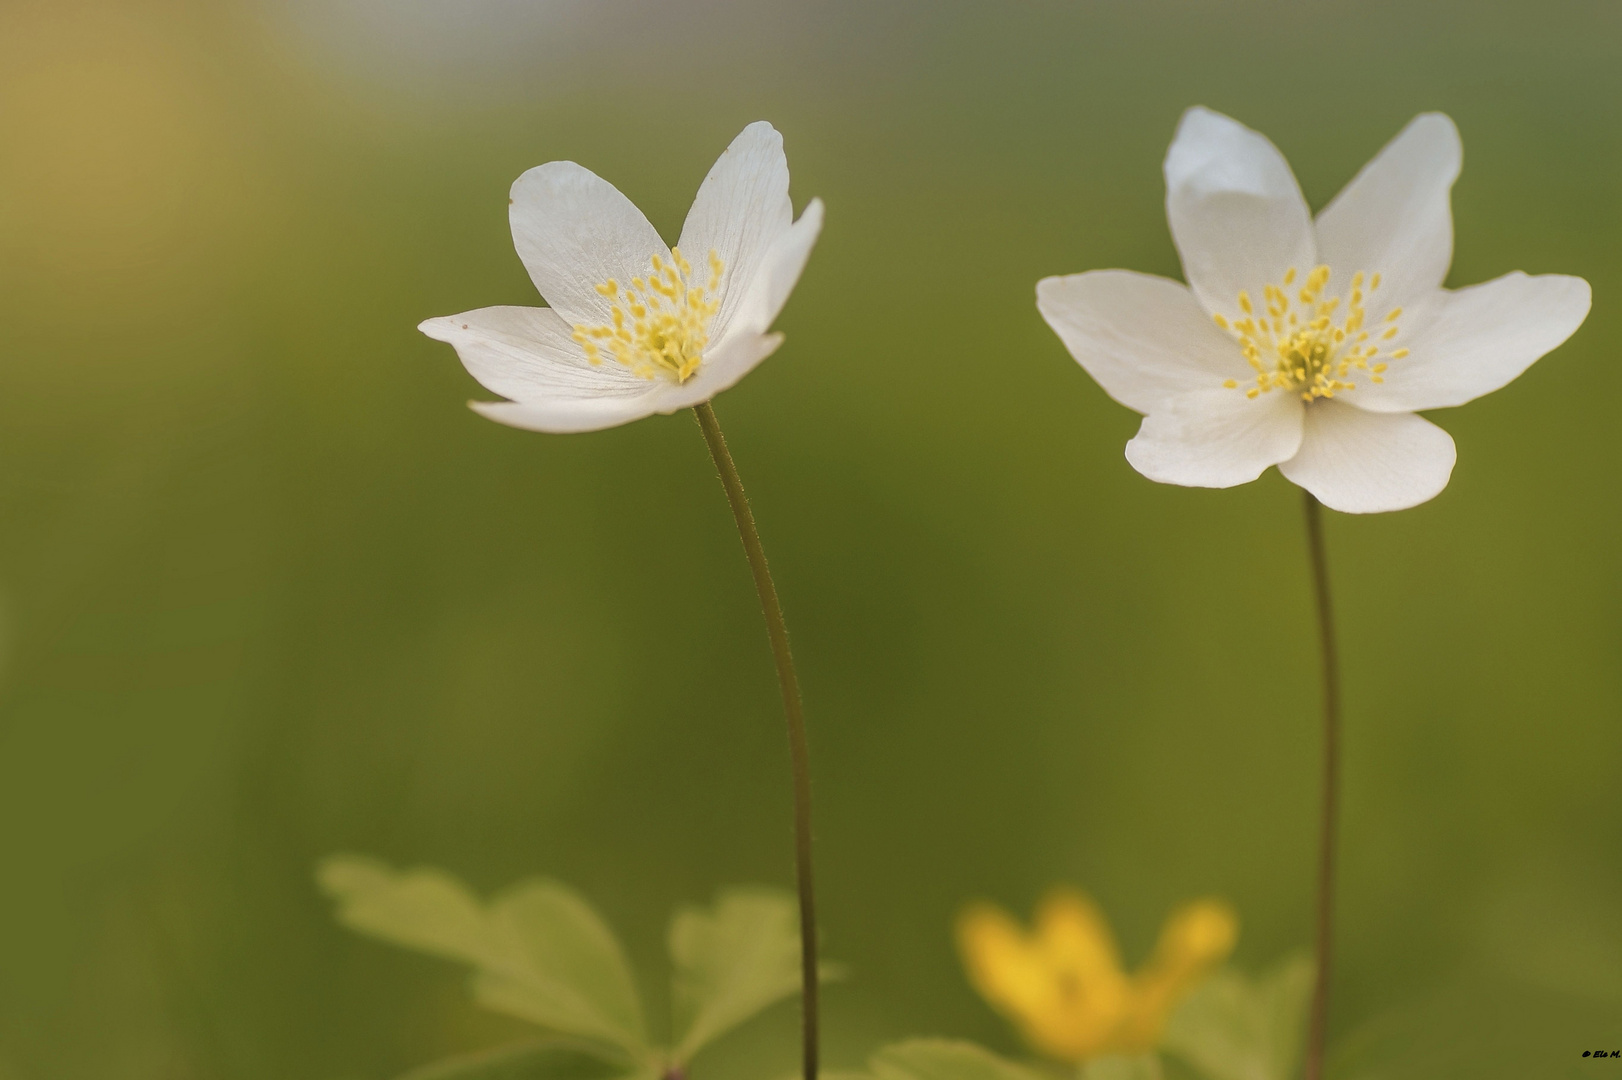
1318,1029
799,752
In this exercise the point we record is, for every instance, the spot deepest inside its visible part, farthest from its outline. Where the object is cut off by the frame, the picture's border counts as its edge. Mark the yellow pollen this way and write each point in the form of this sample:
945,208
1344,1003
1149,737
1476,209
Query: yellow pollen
660,324
1312,342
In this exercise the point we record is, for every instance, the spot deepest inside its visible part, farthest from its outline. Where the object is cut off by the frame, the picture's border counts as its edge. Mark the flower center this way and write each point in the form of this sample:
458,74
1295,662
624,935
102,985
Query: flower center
1305,343
659,324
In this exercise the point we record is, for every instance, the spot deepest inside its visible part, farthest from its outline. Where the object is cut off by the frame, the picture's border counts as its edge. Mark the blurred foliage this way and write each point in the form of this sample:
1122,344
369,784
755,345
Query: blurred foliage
1237,1028
268,590
541,953
1123,1067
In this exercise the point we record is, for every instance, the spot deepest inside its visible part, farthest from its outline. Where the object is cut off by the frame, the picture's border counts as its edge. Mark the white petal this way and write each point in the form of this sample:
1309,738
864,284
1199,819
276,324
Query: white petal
723,366
574,231
569,417
1236,212
528,354
1479,339
781,271
1143,338
741,211
1361,462
1395,218
1216,438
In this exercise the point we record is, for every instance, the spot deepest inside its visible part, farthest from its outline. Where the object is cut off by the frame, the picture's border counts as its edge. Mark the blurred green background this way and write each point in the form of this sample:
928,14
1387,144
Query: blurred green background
269,590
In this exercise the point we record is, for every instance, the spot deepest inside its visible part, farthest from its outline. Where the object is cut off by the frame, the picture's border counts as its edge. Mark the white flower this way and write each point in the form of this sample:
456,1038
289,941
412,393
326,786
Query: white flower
635,327
1306,344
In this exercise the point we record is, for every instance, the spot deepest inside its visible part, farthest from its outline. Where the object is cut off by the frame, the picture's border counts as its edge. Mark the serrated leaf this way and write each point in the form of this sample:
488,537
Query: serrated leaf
541,1059
732,961
421,909
565,970
539,951
1236,1028
944,1059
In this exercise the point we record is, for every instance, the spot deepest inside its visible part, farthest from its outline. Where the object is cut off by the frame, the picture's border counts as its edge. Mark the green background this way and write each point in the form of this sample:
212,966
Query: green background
269,590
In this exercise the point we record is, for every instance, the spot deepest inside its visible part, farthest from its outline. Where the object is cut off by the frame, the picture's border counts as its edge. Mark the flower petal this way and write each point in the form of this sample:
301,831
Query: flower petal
741,210
1361,462
568,417
1062,985
1236,212
1143,338
781,270
722,367
1395,218
574,231
1197,937
528,354
1479,339
1216,438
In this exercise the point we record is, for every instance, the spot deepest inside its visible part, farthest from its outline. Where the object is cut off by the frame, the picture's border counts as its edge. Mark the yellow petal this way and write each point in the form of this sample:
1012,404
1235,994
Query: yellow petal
1063,985
1075,935
1196,938
1002,964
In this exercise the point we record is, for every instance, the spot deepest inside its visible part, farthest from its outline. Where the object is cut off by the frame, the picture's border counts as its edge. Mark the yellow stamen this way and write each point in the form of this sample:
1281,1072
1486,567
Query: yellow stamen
1311,342
660,324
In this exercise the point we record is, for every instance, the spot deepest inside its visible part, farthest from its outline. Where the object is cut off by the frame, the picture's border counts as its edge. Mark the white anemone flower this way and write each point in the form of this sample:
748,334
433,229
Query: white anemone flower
636,327
1306,343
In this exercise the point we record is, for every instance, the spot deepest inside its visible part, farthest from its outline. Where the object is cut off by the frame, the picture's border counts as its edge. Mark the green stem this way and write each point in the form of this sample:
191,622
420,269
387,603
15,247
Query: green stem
799,752
1319,1024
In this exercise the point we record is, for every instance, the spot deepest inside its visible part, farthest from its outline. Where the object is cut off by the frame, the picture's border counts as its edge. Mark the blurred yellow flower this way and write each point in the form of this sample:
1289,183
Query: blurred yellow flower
1062,982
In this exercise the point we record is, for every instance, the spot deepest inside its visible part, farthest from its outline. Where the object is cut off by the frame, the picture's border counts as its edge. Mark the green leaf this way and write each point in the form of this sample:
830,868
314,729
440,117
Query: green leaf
540,1059
733,960
944,1059
539,951
421,909
1123,1067
563,968
937,1059
1236,1028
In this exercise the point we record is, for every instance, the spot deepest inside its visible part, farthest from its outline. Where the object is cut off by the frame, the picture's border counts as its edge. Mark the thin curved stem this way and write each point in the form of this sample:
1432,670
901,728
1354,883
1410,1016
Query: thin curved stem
1319,1023
799,751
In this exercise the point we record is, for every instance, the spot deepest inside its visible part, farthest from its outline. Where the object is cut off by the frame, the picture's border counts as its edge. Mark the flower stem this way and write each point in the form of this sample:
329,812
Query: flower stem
799,752
1319,1022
